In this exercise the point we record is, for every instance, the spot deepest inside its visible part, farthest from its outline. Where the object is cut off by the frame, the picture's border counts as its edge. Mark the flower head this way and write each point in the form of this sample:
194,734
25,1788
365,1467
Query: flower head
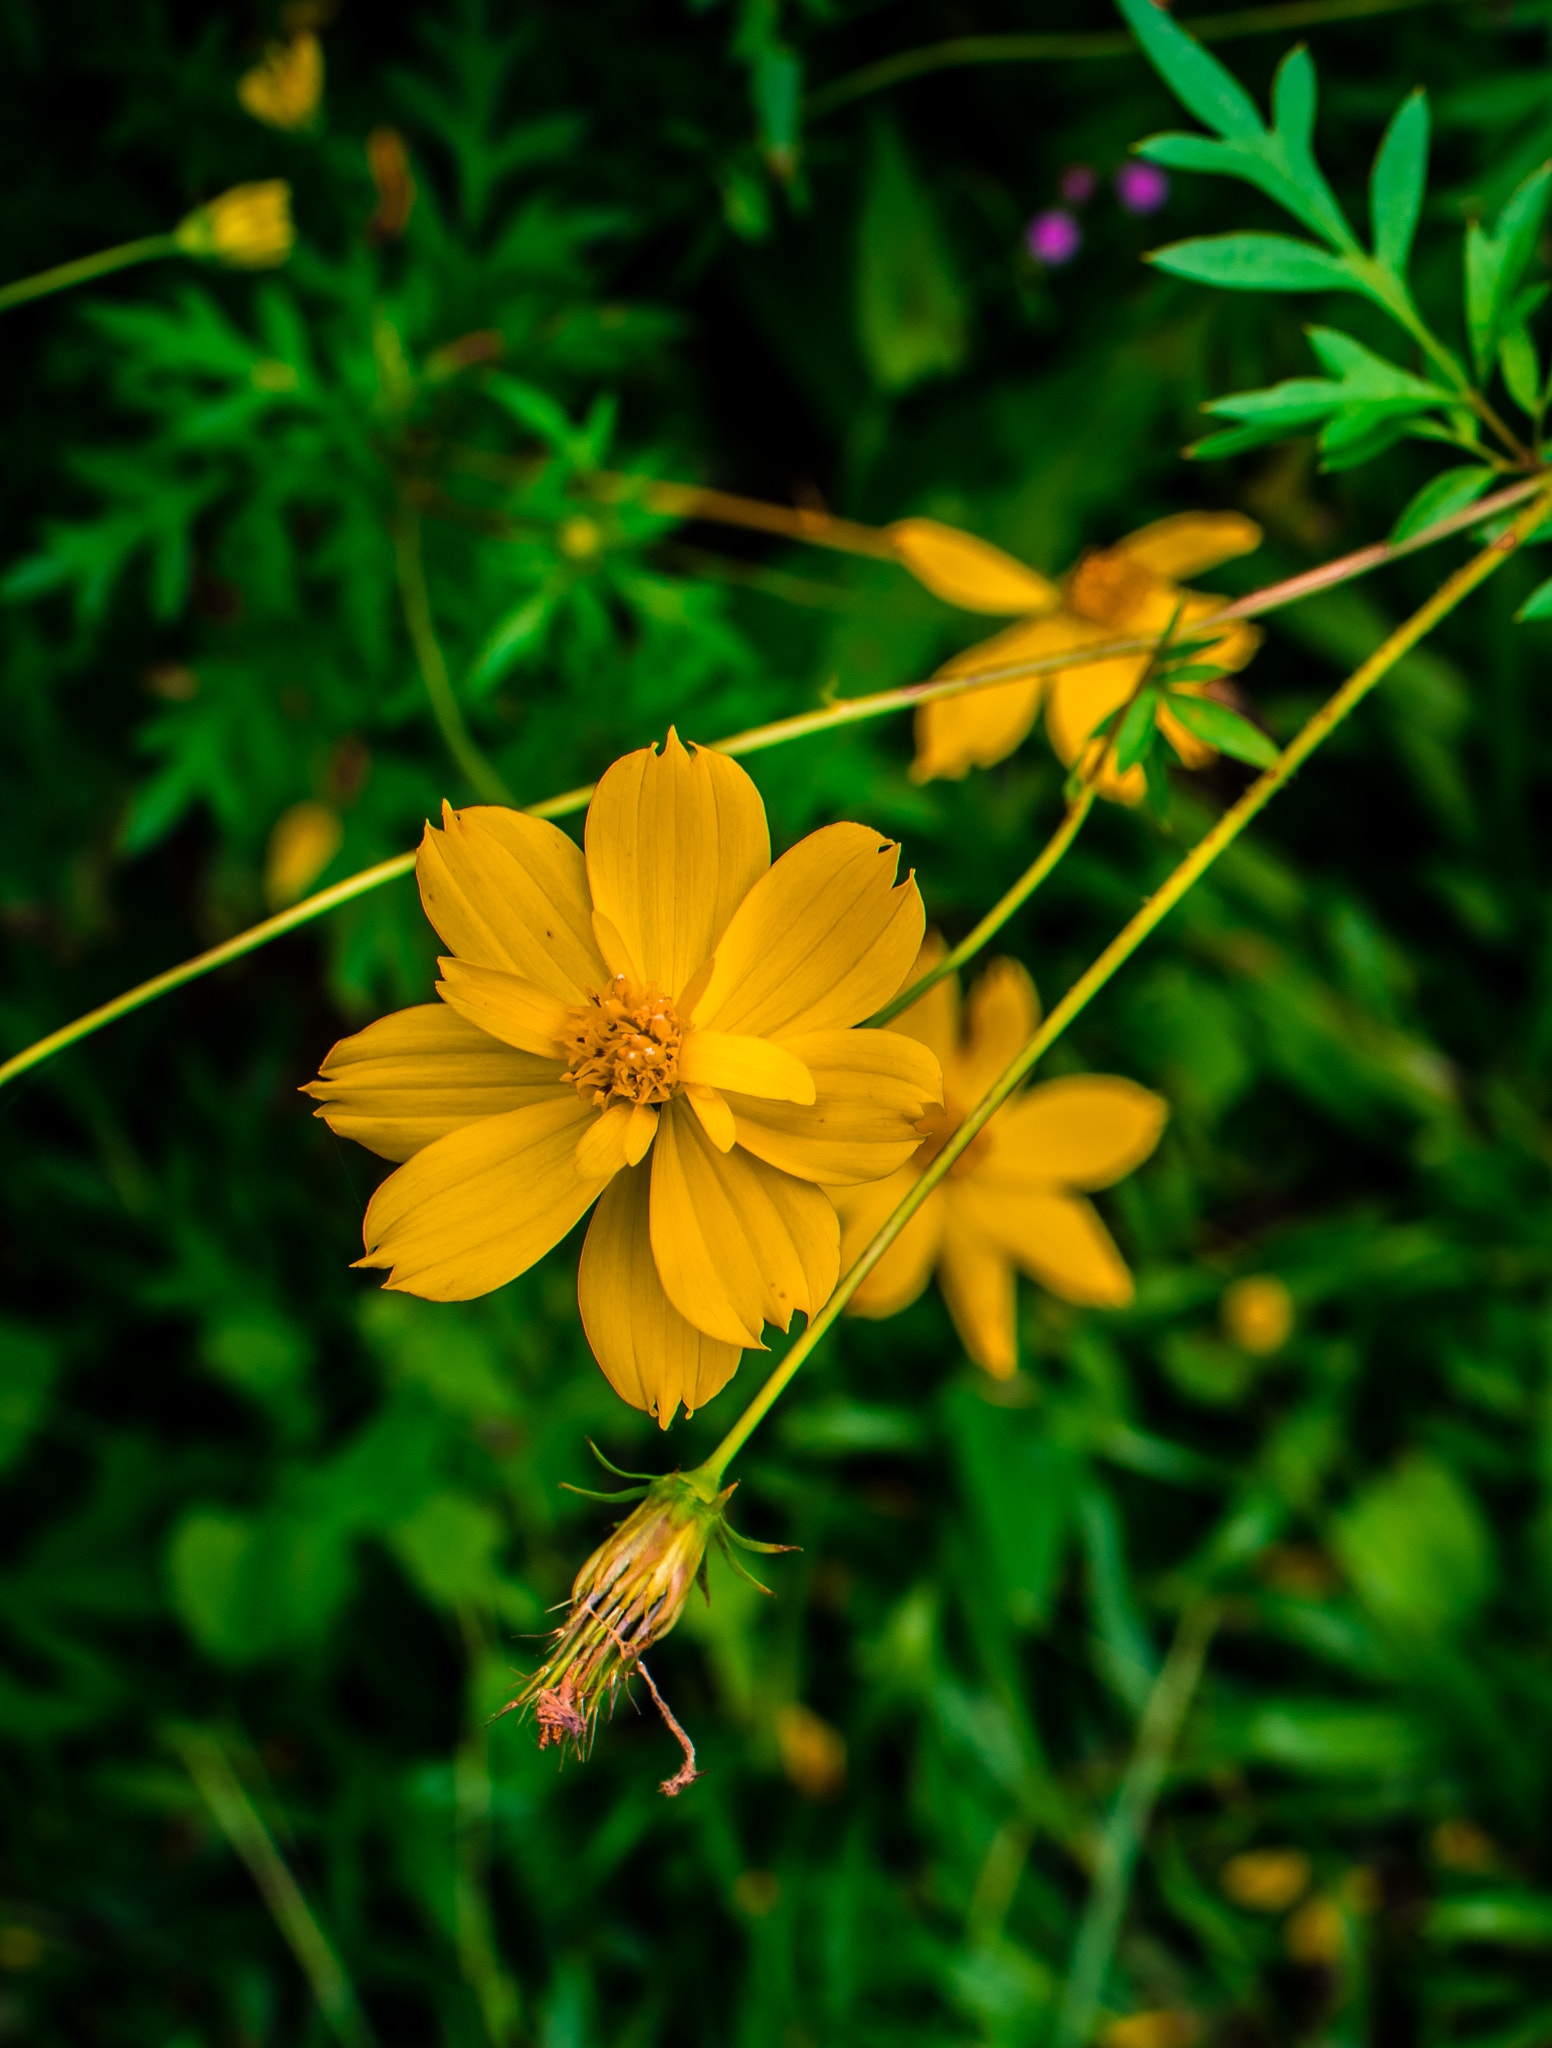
668,992
284,88
248,228
1014,1199
1053,237
1112,593
1142,188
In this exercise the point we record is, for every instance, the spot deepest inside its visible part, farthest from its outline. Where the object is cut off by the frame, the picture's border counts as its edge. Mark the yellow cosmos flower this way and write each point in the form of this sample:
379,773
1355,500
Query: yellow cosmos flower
1013,1199
667,991
248,228
1132,588
284,88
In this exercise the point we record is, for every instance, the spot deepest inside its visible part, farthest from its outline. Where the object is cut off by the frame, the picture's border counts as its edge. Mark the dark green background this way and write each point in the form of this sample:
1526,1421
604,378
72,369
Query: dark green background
245,1489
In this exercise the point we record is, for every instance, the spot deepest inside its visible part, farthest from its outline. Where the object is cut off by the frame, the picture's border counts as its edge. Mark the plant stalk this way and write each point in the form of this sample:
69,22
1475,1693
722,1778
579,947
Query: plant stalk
416,599
84,268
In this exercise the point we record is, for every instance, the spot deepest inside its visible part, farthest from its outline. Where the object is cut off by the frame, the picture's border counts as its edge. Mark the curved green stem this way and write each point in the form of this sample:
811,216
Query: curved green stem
1125,943
416,599
84,268
849,712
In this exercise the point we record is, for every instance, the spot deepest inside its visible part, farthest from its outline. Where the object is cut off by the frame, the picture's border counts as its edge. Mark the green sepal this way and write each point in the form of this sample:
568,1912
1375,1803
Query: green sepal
587,1493
650,1478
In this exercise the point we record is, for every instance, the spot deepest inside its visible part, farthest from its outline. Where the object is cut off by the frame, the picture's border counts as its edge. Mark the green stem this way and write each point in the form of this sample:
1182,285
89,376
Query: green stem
476,770
222,1791
1026,49
994,920
1157,1733
1158,906
849,712
63,275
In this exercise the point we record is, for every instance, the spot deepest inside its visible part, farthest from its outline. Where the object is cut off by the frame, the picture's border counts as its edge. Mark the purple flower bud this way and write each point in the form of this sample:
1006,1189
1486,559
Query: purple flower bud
1053,237
1141,187
1077,184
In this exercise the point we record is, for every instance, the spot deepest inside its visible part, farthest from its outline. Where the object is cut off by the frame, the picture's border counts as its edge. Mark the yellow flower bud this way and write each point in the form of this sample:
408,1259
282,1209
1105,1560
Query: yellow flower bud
813,1754
304,840
1258,1314
248,228
1317,1933
1266,1880
1161,2029
284,88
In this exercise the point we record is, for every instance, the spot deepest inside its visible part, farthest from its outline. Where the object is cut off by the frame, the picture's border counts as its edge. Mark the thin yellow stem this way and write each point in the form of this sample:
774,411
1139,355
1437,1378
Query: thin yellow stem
84,268
1027,49
1158,906
416,599
994,920
848,712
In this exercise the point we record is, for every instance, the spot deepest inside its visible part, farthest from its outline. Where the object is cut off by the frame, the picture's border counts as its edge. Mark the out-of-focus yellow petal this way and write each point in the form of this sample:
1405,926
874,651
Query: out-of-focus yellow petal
675,842
823,939
906,1266
934,1017
481,1205
284,88
409,1079
1084,1131
966,571
871,1088
1056,1239
505,890
752,1066
1079,698
650,1355
955,734
302,843
506,1006
1000,1013
1192,752
736,1243
978,1287
1188,542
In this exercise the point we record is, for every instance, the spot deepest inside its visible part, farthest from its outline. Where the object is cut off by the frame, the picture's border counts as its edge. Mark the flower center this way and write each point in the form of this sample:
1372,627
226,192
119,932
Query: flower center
937,1127
1107,586
622,1044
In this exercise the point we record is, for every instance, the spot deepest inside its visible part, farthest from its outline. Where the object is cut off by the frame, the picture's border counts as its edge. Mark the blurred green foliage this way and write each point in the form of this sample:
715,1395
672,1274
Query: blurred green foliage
246,1491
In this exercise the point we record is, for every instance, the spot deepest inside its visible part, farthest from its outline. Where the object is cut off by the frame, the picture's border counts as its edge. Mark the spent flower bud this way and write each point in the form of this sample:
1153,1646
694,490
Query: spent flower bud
248,228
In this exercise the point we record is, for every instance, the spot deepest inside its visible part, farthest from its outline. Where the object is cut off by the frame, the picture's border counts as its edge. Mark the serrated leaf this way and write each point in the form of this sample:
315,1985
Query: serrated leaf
1256,263
1197,80
1397,183
1138,725
1521,370
1449,492
1538,605
1217,726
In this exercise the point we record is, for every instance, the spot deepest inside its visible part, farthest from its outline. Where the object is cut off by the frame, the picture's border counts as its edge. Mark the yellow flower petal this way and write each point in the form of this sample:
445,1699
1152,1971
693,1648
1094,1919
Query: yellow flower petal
1084,1131
823,939
650,1355
481,1205
934,1017
977,1284
1188,542
955,734
506,1006
736,1242
409,1079
675,841
906,1267
622,1130
505,890
716,1118
1056,1239
1000,1013
966,571
1079,698
752,1066
871,1089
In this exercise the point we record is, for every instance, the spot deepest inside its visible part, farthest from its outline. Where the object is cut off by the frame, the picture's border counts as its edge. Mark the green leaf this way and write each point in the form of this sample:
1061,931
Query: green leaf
1495,264
1538,605
1200,672
1446,493
30,1362
1256,263
531,408
1361,434
1297,401
1417,1549
1367,374
1293,121
1022,1486
1521,368
912,314
1217,726
1197,80
1137,730
1519,1919
1397,182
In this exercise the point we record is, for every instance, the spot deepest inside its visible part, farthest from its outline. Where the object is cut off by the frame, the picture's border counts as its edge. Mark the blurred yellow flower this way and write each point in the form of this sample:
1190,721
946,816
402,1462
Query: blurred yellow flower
1012,1200
248,228
303,842
667,991
1266,1880
284,88
1257,1314
1462,1845
1163,2028
1112,593
1317,1933
813,1754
